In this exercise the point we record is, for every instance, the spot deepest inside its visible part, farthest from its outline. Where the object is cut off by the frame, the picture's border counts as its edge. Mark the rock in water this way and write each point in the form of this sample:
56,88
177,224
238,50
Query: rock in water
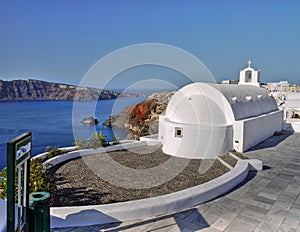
91,121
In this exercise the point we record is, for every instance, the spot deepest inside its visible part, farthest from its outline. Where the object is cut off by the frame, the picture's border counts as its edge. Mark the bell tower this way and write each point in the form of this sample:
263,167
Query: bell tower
249,76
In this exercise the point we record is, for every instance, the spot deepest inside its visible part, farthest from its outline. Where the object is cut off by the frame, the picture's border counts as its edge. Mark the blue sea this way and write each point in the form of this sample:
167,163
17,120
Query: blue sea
51,122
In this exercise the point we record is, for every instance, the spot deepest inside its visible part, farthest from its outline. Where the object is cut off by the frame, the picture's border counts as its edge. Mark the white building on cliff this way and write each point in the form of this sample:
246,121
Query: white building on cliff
205,120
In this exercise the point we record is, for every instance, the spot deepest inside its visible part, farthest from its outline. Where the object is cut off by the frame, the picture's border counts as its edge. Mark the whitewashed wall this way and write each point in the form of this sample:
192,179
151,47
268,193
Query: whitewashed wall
252,131
197,141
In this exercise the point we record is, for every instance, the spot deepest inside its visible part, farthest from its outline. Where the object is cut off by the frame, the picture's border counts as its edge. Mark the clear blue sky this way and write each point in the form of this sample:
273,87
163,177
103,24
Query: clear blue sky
59,40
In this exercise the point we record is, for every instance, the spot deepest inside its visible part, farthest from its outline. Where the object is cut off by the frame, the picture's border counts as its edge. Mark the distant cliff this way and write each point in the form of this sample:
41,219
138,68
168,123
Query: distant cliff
141,119
32,90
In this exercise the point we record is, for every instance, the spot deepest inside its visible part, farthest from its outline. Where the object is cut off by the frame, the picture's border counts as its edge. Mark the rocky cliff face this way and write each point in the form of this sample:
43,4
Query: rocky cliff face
142,119
26,90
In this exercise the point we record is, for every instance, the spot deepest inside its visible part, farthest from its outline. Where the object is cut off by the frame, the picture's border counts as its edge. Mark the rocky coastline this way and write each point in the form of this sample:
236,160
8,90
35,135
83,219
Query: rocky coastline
37,90
141,119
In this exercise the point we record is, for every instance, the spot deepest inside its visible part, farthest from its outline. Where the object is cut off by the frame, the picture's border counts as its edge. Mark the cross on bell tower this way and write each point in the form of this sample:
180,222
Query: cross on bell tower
249,63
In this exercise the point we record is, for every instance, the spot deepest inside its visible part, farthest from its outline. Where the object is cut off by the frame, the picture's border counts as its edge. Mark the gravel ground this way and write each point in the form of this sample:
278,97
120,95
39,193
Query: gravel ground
229,159
128,175
240,155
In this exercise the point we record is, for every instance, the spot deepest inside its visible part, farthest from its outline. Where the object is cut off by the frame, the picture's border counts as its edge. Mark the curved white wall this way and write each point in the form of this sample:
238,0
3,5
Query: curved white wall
197,141
204,117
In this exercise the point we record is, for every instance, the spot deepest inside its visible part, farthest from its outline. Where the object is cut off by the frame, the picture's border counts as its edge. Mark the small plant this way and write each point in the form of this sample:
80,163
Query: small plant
97,140
278,133
81,143
116,140
53,151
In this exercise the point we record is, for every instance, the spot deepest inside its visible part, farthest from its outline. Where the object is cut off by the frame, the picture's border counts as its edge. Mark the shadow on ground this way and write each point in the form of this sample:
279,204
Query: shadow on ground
163,224
272,141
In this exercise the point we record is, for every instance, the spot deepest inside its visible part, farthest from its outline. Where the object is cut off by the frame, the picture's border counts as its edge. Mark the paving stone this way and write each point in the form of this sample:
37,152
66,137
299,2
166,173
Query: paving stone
277,216
248,196
281,229
295,210
269,195
293,188
260,204
184,214
290,222
133,227
210,229
226,202
174,228
276,186
209,218
263,183
242,223
237,208
162,225
186,230
182,224
254,212
288,196
217,211
222,222
196,218
265,227
203,207
283,205
264,200
298,200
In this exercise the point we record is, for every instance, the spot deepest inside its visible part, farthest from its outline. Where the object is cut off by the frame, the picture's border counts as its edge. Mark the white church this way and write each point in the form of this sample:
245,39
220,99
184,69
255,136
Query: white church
204,120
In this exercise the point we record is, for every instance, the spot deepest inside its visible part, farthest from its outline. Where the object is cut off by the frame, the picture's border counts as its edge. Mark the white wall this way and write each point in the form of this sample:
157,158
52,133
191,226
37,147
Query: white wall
197,141
252,131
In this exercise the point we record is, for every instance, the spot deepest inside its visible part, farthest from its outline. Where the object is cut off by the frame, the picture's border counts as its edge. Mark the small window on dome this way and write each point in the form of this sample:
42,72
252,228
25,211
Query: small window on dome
178,132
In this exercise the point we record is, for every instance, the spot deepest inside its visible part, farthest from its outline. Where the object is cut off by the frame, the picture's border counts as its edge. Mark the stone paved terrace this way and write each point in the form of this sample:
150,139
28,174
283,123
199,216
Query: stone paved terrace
268,200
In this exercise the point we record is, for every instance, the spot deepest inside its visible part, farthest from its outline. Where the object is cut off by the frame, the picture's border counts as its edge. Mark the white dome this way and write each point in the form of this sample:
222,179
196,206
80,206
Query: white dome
199,104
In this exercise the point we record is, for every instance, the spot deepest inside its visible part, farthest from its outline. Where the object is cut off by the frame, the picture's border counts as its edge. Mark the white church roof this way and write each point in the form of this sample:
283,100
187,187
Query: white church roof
217,104
247,101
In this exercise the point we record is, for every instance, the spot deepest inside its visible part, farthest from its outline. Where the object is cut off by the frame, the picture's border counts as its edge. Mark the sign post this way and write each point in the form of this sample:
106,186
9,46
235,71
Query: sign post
18,168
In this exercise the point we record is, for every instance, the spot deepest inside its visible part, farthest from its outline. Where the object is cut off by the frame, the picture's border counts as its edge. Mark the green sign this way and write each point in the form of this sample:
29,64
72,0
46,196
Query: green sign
18,165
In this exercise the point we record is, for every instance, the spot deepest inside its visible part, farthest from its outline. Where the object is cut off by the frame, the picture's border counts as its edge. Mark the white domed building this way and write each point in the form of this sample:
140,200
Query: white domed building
206,120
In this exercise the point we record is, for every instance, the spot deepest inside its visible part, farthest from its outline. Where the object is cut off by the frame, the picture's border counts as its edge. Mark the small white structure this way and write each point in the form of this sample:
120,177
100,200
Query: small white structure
249,76
292,112
292,104
206,120
278,86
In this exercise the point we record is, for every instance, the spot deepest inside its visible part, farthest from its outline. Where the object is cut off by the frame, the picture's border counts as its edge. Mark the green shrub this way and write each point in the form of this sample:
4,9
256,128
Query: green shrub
53,151
3,184
40,179
116,140
97,140
81,143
